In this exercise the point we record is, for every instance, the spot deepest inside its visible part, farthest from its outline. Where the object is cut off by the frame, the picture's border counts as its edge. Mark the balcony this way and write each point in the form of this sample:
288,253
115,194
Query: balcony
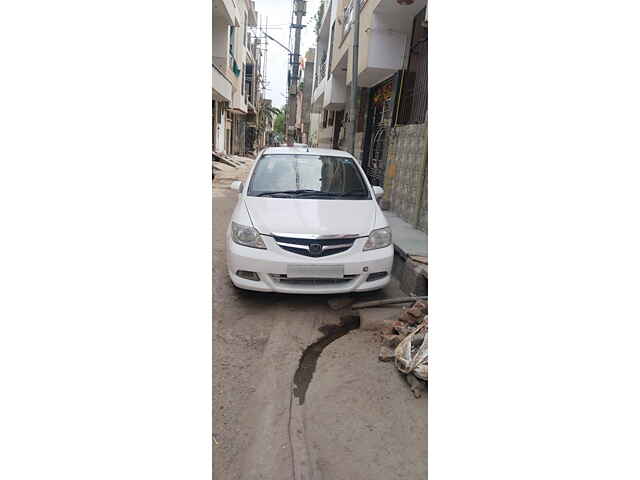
335,94
222,86
319,91
225,9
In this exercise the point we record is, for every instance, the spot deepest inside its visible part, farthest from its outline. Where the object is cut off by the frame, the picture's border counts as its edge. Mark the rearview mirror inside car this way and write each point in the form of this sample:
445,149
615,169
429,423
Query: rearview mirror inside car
237,186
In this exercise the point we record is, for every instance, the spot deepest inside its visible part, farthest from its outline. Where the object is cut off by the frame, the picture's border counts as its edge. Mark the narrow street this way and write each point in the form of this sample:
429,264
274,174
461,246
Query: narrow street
337,414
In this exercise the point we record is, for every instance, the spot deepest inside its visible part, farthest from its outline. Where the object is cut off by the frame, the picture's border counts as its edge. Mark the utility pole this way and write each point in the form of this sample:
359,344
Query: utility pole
354,77
300,10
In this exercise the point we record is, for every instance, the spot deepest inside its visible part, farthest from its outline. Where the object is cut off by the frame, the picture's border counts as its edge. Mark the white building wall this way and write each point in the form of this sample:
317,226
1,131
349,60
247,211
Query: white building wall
220,134
220,45
315,120
386,46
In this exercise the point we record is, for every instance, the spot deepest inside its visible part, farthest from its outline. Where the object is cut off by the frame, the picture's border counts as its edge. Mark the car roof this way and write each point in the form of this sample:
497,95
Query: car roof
326,152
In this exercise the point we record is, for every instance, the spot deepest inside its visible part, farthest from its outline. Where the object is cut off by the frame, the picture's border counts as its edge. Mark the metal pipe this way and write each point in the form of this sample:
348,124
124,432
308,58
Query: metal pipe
389,301
294,62
354,76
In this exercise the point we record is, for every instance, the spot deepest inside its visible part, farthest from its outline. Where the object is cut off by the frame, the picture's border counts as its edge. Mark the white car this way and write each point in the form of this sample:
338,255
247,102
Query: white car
308,221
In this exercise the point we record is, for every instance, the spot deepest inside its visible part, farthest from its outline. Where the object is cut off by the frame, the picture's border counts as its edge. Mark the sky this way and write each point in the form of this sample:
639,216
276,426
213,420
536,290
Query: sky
278,13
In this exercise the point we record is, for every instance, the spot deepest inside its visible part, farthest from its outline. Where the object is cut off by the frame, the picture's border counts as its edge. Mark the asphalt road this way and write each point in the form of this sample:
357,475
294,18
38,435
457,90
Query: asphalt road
359,420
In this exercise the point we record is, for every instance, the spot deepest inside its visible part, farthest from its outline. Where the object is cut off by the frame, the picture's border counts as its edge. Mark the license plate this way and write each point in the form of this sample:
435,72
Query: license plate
315,271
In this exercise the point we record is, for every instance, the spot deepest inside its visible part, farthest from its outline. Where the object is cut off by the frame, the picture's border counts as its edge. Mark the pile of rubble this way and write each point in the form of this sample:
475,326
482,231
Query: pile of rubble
222,162
405,343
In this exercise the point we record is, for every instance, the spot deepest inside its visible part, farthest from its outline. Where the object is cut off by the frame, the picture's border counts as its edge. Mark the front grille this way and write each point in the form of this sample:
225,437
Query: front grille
314,281
314,248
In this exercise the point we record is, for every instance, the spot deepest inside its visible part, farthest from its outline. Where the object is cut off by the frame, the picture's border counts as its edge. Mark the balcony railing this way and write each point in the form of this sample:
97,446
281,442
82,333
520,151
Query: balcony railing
323,70
348,17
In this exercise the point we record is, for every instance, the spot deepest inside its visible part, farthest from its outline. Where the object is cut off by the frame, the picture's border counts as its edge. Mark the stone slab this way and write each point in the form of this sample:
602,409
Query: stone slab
406,239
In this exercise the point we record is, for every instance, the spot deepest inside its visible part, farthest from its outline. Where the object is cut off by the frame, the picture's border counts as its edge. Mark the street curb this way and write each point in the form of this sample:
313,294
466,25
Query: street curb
412,276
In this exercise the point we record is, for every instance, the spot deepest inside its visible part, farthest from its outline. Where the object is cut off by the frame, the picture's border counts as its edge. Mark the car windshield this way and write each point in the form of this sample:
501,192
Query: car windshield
308,176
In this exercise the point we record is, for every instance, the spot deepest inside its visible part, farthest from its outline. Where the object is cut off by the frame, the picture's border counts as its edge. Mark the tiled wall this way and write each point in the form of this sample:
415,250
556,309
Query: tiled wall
405,179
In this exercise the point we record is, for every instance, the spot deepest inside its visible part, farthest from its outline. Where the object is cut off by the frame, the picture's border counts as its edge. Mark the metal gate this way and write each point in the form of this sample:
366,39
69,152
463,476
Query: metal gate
378,123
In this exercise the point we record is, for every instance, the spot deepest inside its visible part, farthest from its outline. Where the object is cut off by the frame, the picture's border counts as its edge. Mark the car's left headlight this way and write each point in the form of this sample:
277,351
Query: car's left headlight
247,236
379,238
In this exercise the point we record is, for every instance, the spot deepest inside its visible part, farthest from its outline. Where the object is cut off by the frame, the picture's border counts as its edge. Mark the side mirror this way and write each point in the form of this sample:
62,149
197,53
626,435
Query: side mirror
378,192
237,186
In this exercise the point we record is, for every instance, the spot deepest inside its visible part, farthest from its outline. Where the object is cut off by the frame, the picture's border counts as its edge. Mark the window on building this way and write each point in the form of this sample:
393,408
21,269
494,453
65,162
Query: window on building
220,111
324,119
243,80
333,31
248,80
232,31
244,30
413,98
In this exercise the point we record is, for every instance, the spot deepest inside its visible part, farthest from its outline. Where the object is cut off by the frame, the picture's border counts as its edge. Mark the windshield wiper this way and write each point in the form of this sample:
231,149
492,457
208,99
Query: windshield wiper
312,193
289,192
351,194
334,195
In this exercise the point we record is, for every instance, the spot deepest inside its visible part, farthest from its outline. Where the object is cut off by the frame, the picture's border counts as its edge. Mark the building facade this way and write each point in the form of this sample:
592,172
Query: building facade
236,77
391,127
307,91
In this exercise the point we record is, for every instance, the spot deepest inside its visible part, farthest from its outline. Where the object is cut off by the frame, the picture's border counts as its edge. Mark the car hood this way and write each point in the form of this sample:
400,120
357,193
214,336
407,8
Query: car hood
310,216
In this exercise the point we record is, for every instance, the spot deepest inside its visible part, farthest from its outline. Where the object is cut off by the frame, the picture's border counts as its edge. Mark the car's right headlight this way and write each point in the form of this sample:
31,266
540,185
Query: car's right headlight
246,236
379,238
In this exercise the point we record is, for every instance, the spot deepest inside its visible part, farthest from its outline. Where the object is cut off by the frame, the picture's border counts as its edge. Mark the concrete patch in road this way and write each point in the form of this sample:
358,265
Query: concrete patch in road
361,420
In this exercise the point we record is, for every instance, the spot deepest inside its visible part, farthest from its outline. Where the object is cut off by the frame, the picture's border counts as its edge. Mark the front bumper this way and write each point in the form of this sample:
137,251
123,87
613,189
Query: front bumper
273,261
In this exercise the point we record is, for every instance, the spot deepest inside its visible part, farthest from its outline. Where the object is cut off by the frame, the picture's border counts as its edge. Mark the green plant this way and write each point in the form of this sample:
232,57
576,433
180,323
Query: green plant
278,123
266,114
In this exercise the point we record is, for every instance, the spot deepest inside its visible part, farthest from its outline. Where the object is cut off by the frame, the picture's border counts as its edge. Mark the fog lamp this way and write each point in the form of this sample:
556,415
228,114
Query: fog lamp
248,275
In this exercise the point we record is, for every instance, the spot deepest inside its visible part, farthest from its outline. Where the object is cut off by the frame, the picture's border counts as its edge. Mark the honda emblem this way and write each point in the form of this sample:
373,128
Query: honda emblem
315,249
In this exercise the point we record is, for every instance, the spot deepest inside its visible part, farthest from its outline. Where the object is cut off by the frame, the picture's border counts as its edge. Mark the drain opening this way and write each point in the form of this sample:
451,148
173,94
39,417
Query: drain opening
309,359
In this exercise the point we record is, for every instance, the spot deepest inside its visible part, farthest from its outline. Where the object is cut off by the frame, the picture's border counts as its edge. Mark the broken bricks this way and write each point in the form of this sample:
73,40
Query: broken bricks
402,329
418,309
391,341
404,342
414,314
386,354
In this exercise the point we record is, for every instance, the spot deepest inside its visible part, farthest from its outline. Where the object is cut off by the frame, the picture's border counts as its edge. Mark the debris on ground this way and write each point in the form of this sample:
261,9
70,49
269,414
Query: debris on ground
391,341
387,354
232,161
409,357
404,341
